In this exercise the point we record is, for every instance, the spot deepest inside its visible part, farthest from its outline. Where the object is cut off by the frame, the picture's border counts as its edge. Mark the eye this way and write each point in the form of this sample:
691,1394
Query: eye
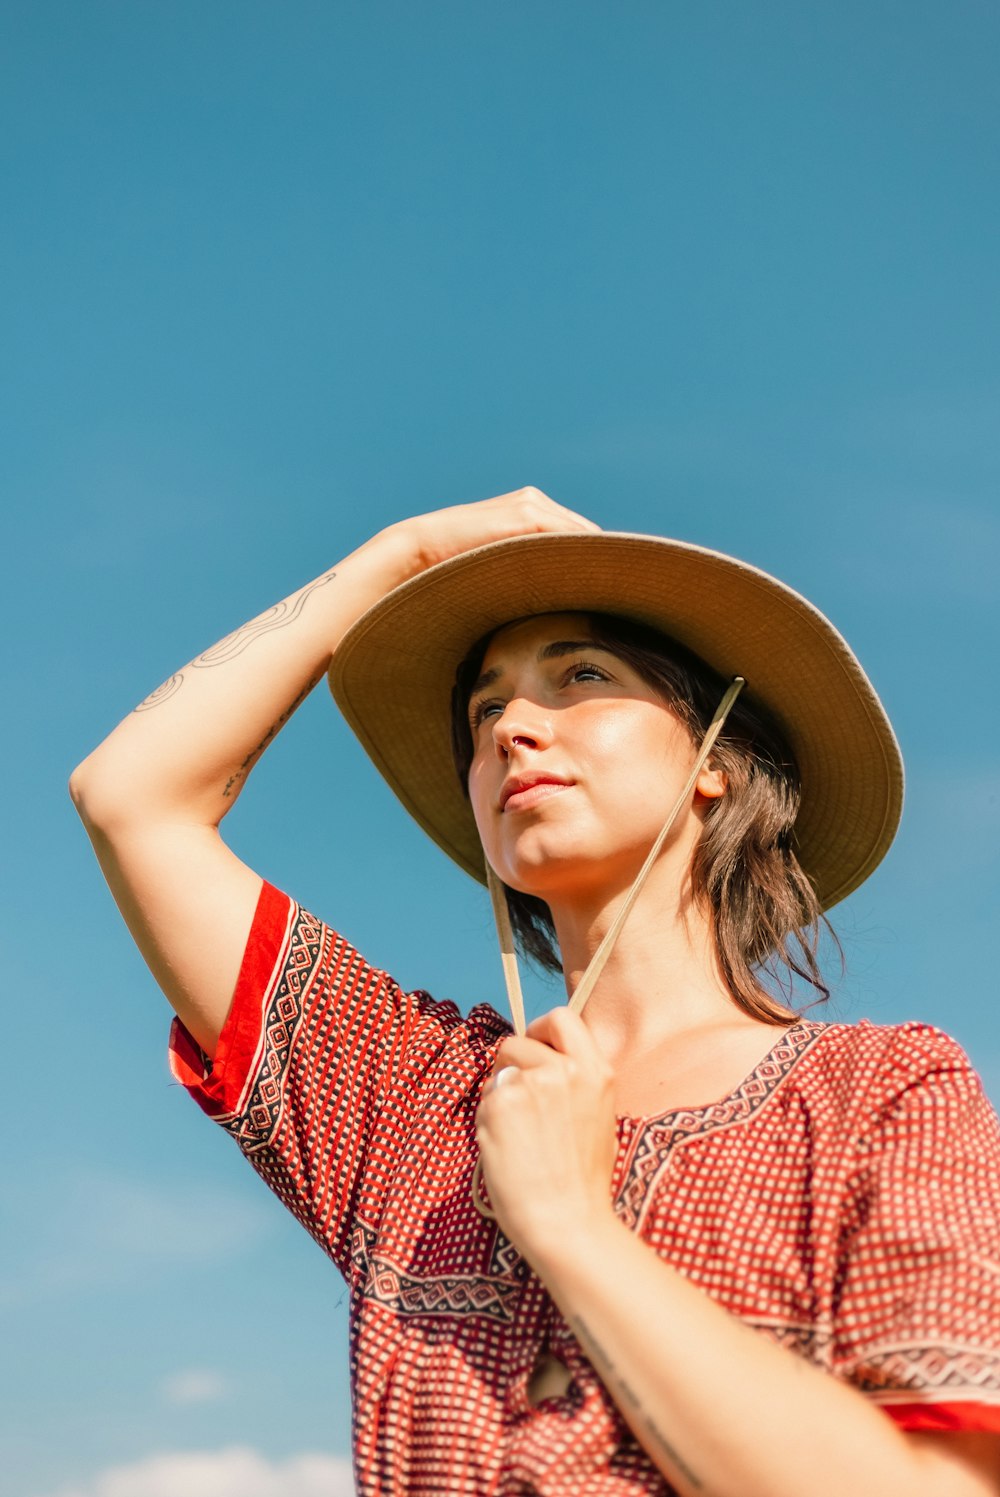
584,670
480,711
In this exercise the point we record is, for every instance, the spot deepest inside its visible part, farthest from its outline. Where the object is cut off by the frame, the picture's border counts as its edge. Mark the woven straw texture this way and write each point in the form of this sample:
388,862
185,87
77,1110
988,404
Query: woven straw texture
392,677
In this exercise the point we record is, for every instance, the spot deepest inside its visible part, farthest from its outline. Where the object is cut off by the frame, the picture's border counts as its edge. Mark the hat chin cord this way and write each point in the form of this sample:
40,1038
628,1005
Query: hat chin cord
587,983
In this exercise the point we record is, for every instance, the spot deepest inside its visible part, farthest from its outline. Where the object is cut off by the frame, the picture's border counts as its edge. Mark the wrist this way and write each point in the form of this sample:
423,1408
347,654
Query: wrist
406,547
573,1251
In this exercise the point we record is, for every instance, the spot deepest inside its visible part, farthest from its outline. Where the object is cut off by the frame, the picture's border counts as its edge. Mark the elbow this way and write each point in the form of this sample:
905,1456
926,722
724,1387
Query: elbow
97,803
115,796
81,791
78,785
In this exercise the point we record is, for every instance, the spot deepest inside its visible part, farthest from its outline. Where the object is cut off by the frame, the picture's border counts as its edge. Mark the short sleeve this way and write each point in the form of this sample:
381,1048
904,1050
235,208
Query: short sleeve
917,1315
323,1066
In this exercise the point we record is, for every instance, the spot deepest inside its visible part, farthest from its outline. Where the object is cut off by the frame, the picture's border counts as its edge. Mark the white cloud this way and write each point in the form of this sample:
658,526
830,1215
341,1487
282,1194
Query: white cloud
194,1385
237,1472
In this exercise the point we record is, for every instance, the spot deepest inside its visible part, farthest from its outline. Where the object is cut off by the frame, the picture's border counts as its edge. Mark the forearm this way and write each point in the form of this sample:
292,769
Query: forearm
719,1408
188,748
152,795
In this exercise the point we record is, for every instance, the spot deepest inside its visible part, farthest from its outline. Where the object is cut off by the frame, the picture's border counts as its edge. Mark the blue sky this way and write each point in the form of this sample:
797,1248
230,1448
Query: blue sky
276,276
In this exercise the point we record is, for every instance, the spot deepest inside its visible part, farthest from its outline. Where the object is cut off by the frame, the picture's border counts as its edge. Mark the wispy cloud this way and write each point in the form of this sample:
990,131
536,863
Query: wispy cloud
940,549
897,496
237,1472
122,1228
948,428
194,1385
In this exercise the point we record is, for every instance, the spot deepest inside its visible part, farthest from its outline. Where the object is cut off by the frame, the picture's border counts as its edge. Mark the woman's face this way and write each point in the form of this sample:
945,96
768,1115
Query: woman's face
576,760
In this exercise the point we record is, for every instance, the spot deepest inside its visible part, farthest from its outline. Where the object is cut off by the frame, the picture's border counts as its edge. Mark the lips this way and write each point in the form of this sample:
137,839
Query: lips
526,789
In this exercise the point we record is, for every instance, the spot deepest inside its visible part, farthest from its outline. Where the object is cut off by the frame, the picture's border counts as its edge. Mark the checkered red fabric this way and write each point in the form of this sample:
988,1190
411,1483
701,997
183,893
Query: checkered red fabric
844,1200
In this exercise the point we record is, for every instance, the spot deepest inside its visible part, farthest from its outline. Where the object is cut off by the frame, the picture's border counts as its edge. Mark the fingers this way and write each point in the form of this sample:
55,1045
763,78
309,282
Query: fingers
518,1054
563,1030
531,510
551,1041
519,1050
444,533
547,1137
560,1030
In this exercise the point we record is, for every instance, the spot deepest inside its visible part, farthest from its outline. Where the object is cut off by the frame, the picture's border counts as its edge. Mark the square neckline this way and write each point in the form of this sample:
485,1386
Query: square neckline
778,1060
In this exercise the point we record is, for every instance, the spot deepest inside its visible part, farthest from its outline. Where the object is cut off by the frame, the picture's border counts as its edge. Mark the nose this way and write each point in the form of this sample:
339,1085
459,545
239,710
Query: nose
521,724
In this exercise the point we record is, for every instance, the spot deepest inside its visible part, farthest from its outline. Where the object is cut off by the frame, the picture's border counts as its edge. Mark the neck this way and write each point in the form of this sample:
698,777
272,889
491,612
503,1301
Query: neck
663,975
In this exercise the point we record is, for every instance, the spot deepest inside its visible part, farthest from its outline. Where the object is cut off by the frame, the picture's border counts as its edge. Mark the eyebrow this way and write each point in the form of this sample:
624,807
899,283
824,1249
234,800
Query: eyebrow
551,651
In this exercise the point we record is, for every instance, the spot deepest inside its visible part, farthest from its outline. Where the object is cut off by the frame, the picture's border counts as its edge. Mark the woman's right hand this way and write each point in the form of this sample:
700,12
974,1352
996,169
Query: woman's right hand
449,532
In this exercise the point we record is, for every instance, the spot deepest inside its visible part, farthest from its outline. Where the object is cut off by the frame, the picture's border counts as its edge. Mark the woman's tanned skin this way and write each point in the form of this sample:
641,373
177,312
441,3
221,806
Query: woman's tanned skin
719,1408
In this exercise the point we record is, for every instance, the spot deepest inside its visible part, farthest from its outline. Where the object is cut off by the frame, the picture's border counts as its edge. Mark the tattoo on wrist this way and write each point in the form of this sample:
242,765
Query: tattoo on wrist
162,693
609,1372
275,618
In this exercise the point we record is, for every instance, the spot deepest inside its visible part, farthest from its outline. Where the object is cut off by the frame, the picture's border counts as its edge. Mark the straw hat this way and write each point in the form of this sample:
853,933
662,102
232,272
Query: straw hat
393,672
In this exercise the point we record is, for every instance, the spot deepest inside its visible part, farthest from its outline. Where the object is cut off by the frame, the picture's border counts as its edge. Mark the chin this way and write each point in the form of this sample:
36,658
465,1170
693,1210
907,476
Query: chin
561,877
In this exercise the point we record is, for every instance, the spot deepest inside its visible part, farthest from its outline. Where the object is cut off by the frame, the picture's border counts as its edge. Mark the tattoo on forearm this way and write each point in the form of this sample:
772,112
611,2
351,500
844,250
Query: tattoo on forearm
234,644
275,618
236,779
162,693
609,1372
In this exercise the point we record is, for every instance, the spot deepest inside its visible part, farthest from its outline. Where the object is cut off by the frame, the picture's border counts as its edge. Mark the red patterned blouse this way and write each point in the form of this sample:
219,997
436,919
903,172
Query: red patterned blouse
844,1201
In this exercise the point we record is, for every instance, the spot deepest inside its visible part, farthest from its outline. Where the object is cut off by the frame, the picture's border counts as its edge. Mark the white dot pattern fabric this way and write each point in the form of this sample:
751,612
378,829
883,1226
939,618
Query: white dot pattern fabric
843,1201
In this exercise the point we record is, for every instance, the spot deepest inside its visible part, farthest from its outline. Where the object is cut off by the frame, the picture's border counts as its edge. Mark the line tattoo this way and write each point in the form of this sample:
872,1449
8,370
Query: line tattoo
162,693
274,618
597,1354
239,775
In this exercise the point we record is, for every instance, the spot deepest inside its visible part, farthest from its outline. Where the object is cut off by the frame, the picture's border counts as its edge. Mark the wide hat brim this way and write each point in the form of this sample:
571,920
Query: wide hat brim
393,673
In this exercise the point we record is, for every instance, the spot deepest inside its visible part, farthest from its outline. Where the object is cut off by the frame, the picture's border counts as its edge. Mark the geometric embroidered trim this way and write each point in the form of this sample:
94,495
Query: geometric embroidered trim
659,1137
262,1111
895,1373
379,1279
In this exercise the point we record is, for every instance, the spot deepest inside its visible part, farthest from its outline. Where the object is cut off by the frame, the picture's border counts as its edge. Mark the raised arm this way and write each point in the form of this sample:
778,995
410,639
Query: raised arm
153,794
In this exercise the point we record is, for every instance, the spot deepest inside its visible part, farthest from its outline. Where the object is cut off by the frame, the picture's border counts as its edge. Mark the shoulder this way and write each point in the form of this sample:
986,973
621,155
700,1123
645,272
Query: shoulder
891,1054
900,1083
871,1071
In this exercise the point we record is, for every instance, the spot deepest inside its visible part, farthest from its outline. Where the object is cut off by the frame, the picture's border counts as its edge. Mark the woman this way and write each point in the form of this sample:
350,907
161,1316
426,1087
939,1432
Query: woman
574,1269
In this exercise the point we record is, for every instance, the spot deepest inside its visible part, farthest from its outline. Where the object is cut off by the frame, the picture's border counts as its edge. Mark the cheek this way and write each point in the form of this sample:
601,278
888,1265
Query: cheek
644,743
478,797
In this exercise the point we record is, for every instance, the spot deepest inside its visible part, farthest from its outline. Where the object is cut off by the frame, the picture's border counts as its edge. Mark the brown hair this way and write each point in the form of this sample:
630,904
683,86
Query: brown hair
764,909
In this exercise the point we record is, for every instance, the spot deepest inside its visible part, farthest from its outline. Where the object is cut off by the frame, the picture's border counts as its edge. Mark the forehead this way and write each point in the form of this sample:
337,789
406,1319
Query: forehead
525,636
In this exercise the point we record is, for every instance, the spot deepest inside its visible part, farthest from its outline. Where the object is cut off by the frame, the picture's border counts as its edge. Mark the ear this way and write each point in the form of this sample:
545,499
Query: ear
711,783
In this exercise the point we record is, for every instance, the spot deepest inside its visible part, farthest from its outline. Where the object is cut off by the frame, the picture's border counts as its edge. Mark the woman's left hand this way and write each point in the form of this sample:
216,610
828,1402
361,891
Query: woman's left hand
547,1135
